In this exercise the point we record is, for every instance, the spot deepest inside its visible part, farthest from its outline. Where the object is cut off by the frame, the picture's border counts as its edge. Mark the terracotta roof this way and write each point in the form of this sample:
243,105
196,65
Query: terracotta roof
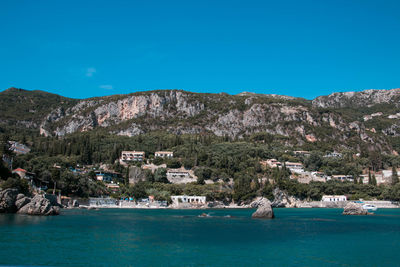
19,170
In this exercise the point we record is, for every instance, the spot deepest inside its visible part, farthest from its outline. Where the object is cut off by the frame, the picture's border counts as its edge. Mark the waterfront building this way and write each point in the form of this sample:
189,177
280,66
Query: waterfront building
127,156
188,199
334,198
164,154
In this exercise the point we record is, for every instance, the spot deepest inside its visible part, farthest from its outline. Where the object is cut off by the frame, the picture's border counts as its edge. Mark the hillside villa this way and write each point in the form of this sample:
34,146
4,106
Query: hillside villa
164,154
272,163
342,178
129,156
302,153
18,148
107,176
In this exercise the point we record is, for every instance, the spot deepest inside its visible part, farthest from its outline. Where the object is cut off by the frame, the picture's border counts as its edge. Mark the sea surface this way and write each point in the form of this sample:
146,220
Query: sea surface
131,237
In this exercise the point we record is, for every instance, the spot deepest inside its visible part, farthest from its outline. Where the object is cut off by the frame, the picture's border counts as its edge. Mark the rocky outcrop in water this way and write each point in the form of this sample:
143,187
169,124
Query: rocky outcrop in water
264,209
354,209
39,205
13,202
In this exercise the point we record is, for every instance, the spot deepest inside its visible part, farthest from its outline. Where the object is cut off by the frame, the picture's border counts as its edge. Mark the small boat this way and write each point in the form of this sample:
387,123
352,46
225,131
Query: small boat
369,207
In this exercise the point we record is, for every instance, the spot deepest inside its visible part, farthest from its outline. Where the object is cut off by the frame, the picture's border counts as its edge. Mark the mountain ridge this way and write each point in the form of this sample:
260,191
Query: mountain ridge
346,119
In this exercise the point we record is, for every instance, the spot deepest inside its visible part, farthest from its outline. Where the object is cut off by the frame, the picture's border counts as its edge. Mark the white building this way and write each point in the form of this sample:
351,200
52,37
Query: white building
294,165
164,154
127,156
272,163
333,155
335,198
343,178
177,173
188,199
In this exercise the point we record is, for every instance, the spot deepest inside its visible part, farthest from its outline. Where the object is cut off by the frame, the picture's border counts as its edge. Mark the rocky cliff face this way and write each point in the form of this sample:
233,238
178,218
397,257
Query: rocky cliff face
89,114
354,116
181,112
358,99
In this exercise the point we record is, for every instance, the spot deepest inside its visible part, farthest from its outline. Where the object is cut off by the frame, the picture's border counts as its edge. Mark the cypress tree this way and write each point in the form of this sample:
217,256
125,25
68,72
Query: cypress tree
373,179
395,177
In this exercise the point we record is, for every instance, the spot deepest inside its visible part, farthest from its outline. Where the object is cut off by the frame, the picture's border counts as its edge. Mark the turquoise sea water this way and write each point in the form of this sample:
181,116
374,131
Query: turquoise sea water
117,237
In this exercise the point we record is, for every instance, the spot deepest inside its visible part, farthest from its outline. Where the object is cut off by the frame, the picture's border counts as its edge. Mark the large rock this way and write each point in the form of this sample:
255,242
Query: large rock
264,210
7,200
354,209
22,201
39,205
283,200
19,196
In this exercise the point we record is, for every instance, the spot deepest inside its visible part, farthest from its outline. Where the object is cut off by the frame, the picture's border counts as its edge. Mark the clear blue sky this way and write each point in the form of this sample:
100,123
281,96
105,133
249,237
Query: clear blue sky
300,48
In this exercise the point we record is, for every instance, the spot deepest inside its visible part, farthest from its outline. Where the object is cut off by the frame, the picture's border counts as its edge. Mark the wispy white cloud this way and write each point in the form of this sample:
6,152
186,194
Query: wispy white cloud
106,86
90,72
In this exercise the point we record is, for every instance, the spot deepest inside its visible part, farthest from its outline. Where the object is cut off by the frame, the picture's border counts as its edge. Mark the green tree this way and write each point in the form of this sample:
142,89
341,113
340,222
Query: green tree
173,163
160,175
158,161
188,163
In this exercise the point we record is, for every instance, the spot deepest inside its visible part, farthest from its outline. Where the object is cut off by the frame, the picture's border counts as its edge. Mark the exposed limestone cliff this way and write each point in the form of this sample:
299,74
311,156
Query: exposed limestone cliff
358,99
343,117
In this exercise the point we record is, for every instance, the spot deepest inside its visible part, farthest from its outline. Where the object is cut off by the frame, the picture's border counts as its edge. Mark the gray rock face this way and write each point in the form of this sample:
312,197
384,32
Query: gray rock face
281,198
354,209
7,200
359,99
22,202
19,196
264,210
39,205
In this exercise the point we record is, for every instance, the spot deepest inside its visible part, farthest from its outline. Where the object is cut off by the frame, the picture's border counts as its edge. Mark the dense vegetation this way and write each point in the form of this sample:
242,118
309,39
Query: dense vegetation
234,166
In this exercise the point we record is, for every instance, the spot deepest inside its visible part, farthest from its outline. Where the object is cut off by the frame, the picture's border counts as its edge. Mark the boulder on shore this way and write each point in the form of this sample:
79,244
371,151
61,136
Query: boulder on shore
13,202
352,208
264,209
7,200
39,205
